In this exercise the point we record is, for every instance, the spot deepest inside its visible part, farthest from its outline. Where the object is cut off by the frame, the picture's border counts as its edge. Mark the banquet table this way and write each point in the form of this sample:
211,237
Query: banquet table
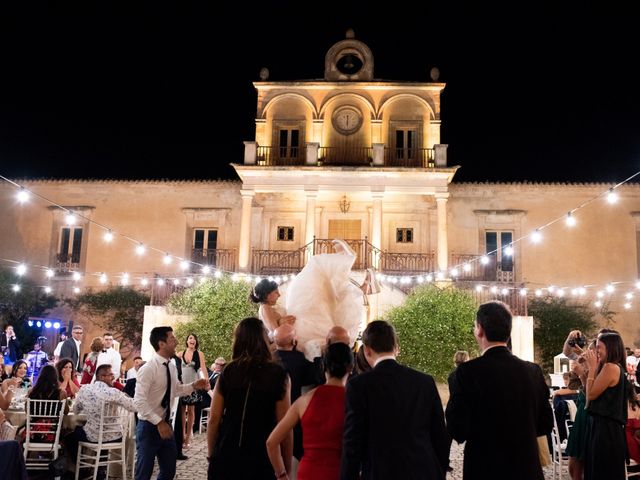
18,418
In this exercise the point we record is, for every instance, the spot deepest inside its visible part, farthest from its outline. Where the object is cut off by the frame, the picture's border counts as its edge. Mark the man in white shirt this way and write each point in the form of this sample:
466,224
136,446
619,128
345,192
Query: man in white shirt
133,371
56,352
156,390
89,402
109,355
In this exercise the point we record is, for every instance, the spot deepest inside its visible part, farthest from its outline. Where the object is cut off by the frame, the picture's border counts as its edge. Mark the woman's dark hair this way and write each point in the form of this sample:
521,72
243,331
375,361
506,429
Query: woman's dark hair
337,360
361,361
249,344
262,290
196,354
47,386
16,366
615,348
63,362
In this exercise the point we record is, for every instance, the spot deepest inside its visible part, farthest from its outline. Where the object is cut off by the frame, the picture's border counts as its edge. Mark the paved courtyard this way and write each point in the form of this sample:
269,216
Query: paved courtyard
195,468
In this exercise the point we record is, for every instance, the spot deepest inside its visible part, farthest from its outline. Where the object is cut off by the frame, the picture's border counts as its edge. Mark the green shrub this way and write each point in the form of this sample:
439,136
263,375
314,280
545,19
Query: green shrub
433,324
553,319
216,307
117,309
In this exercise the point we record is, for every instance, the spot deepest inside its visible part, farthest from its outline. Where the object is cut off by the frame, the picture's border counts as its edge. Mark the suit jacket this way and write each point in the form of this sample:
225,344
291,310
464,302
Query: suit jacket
69,350
394,426
499,405
13,352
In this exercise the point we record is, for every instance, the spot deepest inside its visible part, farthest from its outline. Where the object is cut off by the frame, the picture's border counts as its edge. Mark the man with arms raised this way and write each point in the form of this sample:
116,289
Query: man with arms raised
394,423
156,390
498,405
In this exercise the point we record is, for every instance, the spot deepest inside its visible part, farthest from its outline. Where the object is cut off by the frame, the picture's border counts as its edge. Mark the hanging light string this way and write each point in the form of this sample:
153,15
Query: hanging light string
141,246
609,192
405,279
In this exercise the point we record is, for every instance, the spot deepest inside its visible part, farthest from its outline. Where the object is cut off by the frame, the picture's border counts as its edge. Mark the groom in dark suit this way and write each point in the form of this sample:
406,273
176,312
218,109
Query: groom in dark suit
394,421
498,405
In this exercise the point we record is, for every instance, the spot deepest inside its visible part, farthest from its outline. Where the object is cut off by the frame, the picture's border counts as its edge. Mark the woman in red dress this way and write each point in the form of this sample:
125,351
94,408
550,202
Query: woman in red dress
90,364
321,413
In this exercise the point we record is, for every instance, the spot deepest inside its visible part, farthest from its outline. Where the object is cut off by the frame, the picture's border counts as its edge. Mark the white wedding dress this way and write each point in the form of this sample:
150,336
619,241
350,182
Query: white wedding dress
322,296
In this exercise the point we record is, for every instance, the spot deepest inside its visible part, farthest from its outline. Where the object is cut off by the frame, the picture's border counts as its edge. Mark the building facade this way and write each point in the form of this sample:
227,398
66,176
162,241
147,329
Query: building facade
348,156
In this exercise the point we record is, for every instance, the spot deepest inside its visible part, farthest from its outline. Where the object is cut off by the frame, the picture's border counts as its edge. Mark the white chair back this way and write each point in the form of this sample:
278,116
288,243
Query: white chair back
114,422
559,459
44,421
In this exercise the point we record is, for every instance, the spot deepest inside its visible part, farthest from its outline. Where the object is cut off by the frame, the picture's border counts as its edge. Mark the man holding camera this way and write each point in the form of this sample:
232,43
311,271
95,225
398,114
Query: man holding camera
499,405
10,346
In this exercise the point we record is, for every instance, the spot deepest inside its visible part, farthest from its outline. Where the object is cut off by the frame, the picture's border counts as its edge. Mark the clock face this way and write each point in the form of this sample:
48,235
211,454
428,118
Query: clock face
347,120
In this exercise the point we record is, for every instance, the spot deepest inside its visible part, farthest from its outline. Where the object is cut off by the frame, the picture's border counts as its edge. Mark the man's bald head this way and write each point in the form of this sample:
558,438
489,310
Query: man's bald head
284,336
338,334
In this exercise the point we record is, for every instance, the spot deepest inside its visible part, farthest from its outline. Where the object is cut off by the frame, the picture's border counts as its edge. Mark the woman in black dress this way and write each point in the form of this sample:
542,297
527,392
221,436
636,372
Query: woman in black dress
607,408
250,397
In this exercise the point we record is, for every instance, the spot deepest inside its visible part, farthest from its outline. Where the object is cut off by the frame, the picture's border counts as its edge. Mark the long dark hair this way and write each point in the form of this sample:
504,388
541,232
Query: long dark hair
262,290
63,362
249,344
196,354
615,349
47,387
16,366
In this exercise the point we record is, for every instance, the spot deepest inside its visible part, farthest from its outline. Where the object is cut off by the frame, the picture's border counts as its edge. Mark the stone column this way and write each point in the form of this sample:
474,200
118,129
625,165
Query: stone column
376,223
310,219
244,249
312,153
442,249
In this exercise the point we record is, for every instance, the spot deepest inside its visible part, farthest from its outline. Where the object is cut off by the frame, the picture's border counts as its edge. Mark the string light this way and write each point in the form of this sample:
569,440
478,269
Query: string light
535,235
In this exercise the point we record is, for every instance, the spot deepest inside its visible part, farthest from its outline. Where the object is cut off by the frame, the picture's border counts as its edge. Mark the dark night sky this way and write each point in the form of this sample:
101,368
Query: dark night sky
116,91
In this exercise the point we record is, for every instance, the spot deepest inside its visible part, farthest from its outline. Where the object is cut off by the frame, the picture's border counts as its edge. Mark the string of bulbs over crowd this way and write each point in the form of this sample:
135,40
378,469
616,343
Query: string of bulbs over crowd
23,195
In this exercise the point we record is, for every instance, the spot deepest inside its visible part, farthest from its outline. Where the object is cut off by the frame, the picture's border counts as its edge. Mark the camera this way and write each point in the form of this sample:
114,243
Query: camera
577,341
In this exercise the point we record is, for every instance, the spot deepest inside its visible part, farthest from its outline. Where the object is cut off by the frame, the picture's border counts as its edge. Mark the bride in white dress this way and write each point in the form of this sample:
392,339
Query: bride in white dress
266,293
323,295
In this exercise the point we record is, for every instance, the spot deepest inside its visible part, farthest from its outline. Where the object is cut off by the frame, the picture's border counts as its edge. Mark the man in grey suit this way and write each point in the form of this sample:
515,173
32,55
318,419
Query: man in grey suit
71,347
394,421
498,405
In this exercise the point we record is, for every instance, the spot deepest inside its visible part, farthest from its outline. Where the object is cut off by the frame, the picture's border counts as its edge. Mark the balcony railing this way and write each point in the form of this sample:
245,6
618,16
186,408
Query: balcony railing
67,263
281,156
494,271
402,263
224,259
277,262
366,254
511,296
409,157
345,155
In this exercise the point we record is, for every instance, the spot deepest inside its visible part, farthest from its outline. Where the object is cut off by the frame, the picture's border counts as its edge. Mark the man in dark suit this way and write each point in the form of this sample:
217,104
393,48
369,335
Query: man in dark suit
301,372
394,421
10,346
498,405
71,347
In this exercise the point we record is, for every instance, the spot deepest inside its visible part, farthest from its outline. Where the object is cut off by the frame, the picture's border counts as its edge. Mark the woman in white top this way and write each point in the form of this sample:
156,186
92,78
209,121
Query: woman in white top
192,362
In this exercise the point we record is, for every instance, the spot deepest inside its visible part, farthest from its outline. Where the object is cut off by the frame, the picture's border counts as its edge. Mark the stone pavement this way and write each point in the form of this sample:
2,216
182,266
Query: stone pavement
195,468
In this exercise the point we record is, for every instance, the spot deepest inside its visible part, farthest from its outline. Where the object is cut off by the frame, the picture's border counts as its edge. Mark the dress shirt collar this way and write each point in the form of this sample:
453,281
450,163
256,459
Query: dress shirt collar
160,358
77,343
383,358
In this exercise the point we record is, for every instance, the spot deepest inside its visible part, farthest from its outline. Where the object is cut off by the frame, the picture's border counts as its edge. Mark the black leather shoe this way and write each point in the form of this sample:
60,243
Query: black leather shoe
182,456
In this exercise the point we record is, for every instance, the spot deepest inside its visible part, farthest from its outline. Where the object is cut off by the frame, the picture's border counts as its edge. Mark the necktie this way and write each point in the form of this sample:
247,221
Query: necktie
166,399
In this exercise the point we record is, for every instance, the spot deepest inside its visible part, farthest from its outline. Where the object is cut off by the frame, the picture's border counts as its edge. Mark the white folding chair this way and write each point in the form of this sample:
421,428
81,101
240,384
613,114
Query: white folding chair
559,459
44,421
204,418
114,423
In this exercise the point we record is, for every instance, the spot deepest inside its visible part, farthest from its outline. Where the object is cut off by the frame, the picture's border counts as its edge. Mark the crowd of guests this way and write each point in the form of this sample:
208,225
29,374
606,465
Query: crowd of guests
276,414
